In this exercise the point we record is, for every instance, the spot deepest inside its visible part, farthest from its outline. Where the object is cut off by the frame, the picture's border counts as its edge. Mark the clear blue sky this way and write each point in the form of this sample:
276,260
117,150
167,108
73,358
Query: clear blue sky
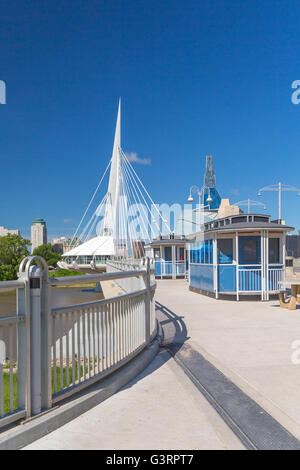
196,77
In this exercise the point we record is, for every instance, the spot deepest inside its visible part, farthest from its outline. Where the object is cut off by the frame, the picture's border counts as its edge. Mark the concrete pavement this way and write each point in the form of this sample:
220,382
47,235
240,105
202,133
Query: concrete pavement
249,341
160,409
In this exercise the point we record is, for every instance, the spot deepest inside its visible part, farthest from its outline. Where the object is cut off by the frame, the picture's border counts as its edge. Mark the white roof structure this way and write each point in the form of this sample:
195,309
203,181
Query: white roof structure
97,246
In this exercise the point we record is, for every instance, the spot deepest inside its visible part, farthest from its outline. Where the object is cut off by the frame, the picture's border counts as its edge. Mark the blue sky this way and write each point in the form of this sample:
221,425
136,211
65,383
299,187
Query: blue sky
195,77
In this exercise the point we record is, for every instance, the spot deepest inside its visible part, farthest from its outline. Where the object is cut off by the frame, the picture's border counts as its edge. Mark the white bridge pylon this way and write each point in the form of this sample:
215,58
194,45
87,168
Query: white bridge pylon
122,222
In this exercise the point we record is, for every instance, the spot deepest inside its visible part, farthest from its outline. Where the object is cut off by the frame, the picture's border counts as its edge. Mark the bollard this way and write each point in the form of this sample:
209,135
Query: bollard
35,274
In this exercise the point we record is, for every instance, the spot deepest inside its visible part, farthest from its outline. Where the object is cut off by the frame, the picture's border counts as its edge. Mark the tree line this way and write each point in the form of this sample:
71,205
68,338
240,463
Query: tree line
14,248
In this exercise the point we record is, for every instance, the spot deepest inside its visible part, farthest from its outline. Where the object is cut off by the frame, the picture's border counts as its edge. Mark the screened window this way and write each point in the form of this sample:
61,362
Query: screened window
202,252
225,251
274,244
249,250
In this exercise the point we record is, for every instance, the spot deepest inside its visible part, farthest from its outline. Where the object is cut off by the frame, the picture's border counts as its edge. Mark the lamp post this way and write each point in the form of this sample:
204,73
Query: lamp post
200,192
279,187
195,190
250,203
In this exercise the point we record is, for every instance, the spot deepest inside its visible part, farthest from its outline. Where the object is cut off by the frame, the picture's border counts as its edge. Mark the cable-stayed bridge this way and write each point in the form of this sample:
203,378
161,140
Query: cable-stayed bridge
125,219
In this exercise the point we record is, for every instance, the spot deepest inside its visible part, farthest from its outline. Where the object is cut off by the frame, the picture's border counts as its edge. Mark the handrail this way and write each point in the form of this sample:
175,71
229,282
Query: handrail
10,320
56,351
64,281
102,301
8,284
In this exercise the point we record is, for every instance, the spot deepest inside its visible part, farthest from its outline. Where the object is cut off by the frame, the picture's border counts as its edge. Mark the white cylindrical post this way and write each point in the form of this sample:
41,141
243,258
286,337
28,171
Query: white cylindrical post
237,266
148,301
279,200
35,275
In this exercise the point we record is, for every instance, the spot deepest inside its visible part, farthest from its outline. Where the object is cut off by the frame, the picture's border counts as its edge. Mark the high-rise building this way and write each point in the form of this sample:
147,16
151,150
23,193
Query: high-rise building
211,197
5,231
38,233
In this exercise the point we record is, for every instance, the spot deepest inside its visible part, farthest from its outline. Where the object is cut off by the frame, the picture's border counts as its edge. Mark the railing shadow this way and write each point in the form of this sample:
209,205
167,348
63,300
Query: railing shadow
173,333
174,330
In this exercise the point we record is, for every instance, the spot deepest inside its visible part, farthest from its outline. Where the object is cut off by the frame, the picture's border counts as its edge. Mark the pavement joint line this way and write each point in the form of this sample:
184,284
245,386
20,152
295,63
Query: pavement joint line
266,438
219,409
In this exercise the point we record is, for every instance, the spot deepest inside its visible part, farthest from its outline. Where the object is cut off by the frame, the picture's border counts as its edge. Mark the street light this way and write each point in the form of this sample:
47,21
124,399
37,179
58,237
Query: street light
250,203
196,190
279,187
200,192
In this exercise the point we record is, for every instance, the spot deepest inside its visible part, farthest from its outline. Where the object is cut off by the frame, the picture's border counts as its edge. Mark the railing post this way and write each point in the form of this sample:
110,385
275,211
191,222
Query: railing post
46,390
35,274
148,301
23,356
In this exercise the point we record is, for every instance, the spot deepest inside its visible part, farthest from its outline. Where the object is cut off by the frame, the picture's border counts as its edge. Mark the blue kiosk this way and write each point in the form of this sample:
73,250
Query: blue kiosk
170,256
238,255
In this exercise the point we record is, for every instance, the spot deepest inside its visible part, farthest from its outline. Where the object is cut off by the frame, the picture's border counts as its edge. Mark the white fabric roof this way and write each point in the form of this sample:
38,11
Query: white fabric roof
96,246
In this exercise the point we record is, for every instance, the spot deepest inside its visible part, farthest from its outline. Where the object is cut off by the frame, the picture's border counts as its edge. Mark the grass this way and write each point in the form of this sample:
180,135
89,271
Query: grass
6,381
69,272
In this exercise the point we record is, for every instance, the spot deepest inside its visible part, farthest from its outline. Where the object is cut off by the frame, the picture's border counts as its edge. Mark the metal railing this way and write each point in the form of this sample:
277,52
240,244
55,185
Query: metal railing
51,353
275,276
251,279
14,345
169,268
85,260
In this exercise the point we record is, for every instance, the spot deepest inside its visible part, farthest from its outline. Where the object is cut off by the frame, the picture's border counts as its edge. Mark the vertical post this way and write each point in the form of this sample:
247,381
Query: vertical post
35,274
283,240
267,264
263,265
279,200
237,266
148,301
248,206
174,262
23,309
216,266
46,389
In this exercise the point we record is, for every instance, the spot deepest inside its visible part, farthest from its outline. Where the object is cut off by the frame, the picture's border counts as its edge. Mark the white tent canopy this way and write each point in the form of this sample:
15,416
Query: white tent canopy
97,246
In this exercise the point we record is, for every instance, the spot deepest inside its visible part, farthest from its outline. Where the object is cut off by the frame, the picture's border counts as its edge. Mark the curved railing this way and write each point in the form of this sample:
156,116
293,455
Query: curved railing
53,352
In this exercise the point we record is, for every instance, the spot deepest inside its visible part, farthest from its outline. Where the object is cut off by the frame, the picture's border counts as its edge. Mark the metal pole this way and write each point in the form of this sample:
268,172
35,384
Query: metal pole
237,266
23,309
148,300
279,201
46,337
248,206
35,275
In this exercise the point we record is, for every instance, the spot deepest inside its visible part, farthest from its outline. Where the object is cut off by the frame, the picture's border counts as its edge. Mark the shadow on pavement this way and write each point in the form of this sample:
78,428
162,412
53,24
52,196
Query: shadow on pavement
173,331
173,327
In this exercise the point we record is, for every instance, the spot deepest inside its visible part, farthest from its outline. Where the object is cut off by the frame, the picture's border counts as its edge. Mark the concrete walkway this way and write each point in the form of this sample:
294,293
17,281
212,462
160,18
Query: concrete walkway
160,409
250,342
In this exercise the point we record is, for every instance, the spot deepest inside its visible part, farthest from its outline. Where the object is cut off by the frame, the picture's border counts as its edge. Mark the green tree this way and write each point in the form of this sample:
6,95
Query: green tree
13,248
47,252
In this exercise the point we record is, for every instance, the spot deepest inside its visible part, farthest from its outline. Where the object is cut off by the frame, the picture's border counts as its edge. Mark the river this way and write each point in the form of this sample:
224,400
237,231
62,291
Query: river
61,296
